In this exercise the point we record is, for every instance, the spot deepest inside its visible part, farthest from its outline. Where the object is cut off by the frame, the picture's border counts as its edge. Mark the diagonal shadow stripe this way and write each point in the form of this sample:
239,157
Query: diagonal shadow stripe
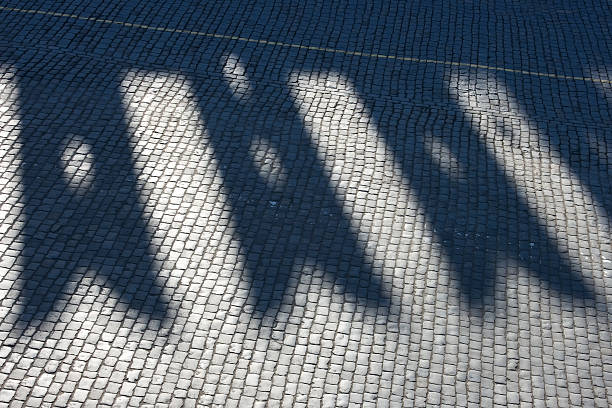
288,227
98,230
479,216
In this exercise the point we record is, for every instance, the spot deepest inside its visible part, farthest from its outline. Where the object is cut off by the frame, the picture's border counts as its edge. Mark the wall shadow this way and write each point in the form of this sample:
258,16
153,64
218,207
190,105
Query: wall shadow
479,217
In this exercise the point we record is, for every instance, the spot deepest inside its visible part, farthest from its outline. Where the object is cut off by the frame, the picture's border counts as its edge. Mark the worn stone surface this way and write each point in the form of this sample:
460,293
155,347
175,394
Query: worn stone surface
317,204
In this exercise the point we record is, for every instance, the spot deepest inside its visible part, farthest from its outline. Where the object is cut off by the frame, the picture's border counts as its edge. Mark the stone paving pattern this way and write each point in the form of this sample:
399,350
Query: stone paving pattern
191,221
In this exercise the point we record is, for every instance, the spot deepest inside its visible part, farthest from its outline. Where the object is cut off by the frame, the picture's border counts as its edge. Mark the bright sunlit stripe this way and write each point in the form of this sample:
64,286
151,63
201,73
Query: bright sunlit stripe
367,180
12,217
384,211
306,47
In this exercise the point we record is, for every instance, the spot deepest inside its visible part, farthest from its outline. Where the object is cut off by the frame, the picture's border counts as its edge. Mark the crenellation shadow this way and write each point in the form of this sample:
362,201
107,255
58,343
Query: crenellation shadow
96,228
478,215
282,225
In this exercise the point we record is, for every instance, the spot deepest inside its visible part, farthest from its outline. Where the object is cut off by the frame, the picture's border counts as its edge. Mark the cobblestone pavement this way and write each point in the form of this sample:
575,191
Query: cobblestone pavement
315,203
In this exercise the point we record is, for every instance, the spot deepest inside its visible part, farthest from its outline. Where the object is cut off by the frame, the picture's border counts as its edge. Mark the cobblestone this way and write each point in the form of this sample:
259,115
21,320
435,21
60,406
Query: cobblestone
357,203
